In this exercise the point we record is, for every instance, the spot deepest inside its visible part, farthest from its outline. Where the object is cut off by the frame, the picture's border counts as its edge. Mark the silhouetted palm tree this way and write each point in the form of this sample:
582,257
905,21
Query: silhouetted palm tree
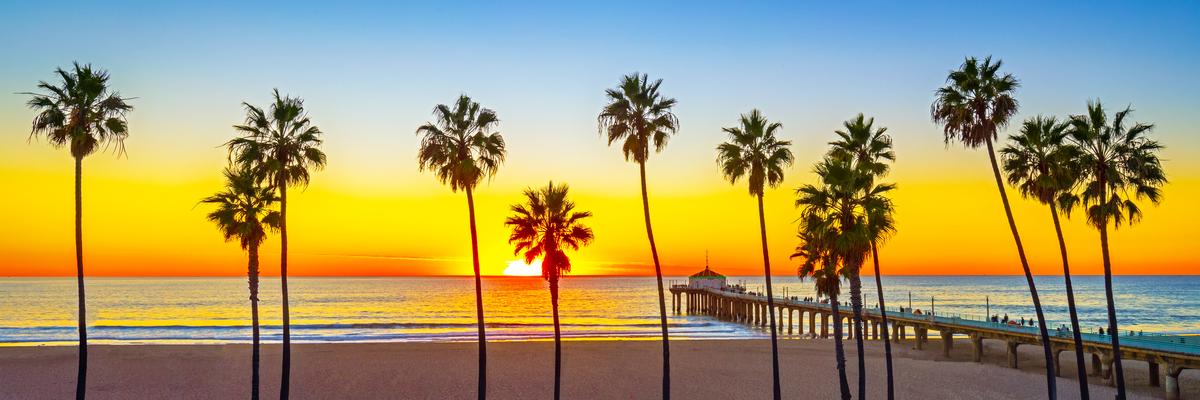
840,206
974,105
880,225
1042,166
461,148
870,149
543,227
83,114
817,236
279,146
244,213
637,116
755,153
1119,166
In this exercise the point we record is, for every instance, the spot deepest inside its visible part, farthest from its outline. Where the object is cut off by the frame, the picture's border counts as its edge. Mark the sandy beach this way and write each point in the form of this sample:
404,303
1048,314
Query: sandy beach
522,370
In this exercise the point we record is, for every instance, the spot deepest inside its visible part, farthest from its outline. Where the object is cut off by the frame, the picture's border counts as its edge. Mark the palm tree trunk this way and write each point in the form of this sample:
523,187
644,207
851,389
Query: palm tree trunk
284,381
887,343
1051,390
557,336
839,350
252,275
482,386
1062,249
662,300
81,378
1113,332
762,228
856,307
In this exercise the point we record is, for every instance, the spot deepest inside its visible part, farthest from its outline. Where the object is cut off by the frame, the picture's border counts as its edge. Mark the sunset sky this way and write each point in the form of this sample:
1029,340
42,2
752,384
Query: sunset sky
370,74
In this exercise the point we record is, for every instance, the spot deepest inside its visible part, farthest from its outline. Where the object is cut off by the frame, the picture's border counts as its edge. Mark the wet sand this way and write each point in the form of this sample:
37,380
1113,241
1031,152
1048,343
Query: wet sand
522,370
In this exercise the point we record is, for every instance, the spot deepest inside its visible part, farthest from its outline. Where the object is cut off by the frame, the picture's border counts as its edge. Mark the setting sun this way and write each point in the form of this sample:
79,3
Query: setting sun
520,268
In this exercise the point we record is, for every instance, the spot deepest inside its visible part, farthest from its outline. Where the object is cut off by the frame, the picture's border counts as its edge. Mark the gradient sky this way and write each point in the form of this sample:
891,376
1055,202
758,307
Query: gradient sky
371,73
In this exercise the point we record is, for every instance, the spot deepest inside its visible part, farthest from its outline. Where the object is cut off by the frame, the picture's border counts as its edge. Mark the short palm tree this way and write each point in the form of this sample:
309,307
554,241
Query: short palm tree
975,104
817,236
462,148
245,211
840,206
279,145
753,152
83,114
545,227
1042,166
870,150
1119,165
637,116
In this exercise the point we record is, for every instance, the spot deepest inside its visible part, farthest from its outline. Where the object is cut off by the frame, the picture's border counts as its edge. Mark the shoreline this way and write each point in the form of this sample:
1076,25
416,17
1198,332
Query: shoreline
217,342
738,368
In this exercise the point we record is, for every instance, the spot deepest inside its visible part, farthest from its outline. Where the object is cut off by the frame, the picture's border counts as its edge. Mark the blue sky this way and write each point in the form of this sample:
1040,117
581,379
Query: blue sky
809,65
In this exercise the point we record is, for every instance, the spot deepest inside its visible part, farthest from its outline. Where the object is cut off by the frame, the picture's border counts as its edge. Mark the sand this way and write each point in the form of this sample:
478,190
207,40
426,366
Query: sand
524,370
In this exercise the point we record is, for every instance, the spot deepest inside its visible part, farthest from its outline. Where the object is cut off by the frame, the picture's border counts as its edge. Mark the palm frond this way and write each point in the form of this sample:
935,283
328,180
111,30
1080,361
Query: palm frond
546,225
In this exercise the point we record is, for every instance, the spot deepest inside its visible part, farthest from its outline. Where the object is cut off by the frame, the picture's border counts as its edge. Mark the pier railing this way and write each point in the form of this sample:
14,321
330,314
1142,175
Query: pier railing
1175,352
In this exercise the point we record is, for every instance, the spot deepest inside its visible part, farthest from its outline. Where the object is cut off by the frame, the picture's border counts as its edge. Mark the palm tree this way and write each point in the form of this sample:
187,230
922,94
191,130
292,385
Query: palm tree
461,149
1120,165
973,106
543,227
880,225
279,146
244,213
839,209
637,116
817,238
870,149
755,153
1041,165
85,115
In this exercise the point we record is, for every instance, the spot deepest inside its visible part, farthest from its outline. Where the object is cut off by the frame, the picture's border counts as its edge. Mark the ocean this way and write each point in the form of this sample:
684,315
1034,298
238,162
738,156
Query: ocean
42,311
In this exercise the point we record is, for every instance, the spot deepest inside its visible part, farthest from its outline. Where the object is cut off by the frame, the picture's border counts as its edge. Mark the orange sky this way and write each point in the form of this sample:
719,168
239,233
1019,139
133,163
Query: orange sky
137,223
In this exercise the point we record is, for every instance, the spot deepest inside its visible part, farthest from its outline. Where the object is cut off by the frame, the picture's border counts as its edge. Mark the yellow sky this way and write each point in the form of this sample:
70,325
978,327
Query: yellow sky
142,219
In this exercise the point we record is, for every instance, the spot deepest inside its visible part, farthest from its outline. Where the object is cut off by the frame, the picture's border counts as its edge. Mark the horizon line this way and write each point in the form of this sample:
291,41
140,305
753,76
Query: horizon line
539,276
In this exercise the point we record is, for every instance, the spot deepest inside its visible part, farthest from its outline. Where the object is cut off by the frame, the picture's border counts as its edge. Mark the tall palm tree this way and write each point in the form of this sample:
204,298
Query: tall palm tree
880,225
245,210
1041,165
85,115
870,150
461,148
820,262
637,116
544,227
755,153
1120,165
975,104
279,146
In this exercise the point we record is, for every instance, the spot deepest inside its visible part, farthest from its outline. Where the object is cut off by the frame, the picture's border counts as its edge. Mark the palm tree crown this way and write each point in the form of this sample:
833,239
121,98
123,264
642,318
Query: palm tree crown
818,260
1120,165
281,146
842,205
637,115
545,226
975,103
81,113
869,147
461,147
1040,164
244,209
754,152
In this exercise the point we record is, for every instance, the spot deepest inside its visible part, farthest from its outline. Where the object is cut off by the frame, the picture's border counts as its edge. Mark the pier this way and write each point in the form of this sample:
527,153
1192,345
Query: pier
1167,355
